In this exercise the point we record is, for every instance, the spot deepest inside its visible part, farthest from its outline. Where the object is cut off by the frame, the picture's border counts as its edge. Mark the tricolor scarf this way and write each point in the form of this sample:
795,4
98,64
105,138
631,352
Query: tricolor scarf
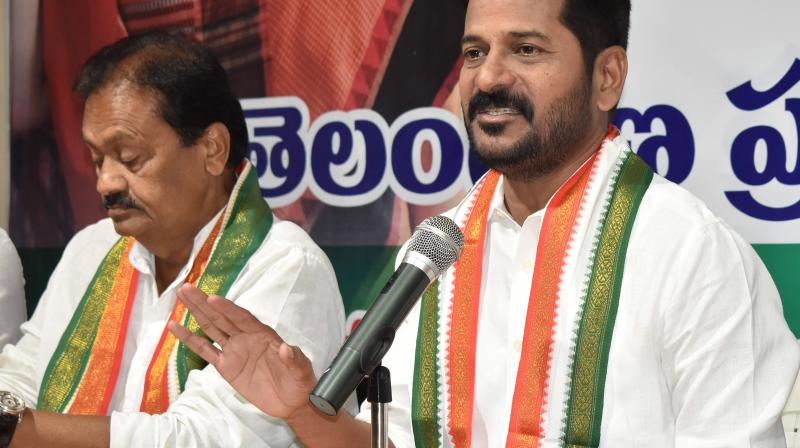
594,209
82,374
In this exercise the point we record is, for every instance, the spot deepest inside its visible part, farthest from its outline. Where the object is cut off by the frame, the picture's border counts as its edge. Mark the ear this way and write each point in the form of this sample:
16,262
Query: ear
610,71
216,142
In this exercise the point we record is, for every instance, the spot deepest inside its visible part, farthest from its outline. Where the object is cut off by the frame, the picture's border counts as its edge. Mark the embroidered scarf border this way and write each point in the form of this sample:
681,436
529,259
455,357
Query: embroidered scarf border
82,373
601,300
628,181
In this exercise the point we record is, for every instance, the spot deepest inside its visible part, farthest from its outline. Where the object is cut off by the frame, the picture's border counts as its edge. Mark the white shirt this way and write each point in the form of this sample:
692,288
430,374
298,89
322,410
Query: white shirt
287,283
701,355
791,416
12,293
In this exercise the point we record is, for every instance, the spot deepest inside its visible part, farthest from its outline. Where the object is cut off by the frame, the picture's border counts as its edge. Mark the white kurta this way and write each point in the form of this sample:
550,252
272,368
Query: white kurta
288,284
701,355
12,292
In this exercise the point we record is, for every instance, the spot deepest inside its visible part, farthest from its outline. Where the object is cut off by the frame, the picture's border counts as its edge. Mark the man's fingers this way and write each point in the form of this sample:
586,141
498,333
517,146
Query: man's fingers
197,344
297,362
289,370
208,319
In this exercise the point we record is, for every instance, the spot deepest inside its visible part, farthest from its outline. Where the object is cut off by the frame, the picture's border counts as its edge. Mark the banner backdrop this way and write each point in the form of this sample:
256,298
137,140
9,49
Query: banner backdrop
356,131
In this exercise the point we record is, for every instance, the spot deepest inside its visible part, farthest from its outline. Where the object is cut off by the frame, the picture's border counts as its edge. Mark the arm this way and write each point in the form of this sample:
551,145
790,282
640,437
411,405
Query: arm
19,363
38,428
291,287
728,355
59,431
271,374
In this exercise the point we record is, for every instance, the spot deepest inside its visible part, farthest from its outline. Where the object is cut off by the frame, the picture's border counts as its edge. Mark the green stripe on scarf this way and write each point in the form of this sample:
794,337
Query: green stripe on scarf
425,397
585,405
71,356
249,224
250,221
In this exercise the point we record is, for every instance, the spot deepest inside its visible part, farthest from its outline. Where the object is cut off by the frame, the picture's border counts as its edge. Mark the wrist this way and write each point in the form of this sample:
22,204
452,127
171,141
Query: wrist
306,415
12,409
318,430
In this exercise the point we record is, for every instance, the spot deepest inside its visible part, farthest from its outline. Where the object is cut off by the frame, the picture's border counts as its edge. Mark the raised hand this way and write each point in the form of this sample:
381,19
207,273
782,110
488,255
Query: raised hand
269,373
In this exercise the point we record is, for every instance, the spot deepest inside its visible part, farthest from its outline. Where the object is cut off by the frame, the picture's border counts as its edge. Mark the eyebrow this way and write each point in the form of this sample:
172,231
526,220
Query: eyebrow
472,38
534,34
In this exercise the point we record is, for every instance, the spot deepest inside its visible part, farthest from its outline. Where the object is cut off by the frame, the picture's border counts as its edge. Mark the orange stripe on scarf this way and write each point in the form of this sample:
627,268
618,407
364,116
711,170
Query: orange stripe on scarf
155,399
464,316
95,390
558,229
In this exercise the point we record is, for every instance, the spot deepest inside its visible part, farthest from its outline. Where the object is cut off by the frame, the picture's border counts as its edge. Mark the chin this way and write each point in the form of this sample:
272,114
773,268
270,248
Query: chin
122,229
495,147
498,136
126,226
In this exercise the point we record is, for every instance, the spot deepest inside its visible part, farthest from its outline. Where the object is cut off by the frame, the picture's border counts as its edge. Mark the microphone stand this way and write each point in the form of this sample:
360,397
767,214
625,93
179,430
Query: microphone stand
379,395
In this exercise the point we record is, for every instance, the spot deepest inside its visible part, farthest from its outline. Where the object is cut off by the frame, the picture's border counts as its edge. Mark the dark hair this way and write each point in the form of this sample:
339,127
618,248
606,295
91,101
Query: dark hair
598,24
192,88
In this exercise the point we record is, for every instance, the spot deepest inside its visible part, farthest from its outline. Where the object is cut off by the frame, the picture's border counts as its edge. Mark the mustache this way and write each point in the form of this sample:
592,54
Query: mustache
499,98
119,200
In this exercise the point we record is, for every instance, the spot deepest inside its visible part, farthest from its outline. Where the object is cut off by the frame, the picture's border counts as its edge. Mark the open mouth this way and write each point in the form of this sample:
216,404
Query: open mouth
497,111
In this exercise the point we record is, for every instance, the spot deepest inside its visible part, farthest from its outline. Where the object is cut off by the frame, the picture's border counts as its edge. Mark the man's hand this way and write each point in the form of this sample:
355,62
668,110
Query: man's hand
269,373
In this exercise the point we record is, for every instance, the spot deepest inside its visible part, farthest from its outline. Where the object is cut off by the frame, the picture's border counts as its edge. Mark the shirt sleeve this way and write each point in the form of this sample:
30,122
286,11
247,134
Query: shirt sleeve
729,357
300,283
21,363
12,294
18,364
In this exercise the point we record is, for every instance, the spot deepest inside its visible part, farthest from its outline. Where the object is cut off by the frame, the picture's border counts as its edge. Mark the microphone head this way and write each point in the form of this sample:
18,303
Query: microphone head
439,240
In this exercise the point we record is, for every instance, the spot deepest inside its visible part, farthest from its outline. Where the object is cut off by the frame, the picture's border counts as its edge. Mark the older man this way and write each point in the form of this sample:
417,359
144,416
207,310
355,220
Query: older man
168,140
594,304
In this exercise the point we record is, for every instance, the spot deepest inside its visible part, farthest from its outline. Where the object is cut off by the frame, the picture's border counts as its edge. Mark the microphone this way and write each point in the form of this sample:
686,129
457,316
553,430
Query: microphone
432,249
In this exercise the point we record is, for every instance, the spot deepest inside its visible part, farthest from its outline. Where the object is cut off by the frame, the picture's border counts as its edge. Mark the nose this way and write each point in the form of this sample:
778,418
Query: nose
110,179
494,73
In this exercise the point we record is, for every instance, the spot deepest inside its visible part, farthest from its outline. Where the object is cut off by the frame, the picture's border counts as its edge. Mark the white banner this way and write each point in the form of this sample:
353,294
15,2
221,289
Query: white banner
713,95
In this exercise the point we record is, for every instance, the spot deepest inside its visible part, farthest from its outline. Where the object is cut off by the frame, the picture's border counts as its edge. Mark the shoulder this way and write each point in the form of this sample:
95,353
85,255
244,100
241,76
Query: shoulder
676,236
289,250
99,234
81,258
672,217
88,247
286,234
670,210
286,238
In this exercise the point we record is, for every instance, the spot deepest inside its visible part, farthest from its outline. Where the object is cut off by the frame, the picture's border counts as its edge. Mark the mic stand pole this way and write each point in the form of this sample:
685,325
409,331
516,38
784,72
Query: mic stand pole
380,394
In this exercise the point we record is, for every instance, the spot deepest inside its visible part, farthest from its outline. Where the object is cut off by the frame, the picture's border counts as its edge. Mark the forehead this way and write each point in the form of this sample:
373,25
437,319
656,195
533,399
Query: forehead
120,111
497,17
121,97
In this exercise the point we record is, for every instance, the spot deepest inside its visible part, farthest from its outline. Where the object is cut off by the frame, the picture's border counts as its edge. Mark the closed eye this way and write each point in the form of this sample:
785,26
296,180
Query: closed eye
132,164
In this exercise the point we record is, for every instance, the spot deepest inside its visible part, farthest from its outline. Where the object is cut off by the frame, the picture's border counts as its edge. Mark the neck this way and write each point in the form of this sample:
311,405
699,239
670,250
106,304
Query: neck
173,249
526,196
167,270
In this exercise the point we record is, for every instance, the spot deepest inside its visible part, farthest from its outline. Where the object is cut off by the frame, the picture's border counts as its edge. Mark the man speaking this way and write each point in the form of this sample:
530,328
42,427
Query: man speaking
96,364
594,304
